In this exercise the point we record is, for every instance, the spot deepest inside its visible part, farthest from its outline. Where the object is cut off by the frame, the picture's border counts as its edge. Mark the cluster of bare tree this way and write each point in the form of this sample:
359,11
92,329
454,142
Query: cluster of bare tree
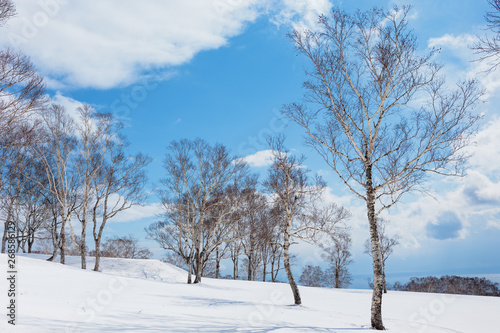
214,211
451,285
67,170
54,166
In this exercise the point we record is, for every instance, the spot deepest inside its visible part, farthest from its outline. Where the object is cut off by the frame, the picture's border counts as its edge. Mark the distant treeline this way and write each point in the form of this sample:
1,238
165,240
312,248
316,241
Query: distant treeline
451,285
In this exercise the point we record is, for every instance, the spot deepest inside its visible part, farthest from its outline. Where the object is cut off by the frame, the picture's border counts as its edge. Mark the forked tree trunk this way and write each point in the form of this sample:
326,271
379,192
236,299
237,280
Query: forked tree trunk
378,276
291,280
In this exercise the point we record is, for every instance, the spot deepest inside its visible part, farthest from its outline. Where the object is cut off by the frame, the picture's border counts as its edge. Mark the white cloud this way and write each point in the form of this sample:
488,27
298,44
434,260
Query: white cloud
259,159
109,43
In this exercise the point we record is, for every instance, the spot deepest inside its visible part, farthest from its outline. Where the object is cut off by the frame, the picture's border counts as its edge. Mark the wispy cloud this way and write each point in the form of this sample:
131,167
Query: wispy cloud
301,14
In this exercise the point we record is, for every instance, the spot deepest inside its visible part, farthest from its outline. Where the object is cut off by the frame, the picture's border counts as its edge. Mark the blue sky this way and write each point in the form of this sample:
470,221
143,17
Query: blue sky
222,69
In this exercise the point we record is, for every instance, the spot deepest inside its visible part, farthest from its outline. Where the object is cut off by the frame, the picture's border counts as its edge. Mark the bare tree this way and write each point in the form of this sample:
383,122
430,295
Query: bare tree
55,152
97,135
488,48
296,197
387,244
380,116
119,184
339,256
312,276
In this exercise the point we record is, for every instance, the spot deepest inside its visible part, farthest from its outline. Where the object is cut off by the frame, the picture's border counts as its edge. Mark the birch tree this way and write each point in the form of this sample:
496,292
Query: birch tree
96,136
120,182
296,197
380,113
55,151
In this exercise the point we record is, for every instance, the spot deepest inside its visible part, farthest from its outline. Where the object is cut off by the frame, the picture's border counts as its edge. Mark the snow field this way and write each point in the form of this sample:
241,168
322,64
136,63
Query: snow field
131,295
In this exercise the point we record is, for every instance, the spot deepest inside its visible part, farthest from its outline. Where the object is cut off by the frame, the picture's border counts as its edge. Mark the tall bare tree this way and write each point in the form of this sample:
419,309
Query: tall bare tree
97,134
54,149
119,184
387,244
296,197
379,112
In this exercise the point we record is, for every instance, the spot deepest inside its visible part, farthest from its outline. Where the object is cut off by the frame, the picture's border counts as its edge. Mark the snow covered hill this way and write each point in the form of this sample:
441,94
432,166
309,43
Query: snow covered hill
151,296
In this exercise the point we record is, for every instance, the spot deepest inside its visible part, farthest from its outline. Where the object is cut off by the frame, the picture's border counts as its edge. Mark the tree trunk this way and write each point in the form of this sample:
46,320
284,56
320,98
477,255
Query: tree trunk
217,264
63,239
4,238
378,277
5,229
190,269
198,266
55,239
31,240
236,264
250,273
264,266
291,280
83,248
97,243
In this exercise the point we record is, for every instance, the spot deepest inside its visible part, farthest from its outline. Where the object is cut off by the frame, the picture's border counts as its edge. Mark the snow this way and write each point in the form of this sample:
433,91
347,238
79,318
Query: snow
132,295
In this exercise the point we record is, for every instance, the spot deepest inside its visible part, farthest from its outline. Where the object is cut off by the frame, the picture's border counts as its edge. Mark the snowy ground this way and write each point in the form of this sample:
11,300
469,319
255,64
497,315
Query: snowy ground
150,296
